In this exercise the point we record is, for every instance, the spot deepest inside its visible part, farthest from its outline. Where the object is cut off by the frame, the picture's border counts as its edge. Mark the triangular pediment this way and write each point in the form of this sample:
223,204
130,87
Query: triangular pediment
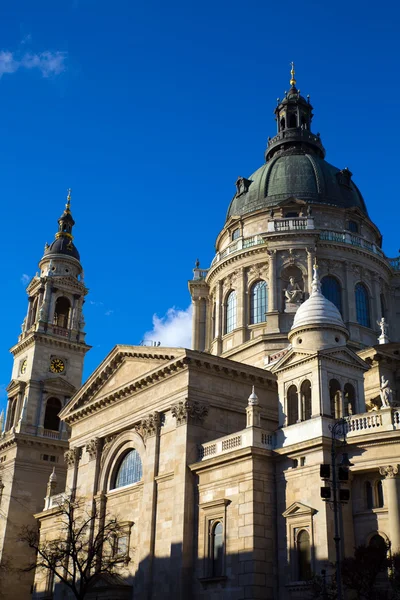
295,357
121,368
297,509
290,201
346,355
15,385
59,385
292,358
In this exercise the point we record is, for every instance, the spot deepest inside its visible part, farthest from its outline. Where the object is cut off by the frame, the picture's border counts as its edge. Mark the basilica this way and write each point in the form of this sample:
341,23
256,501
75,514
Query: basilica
220,462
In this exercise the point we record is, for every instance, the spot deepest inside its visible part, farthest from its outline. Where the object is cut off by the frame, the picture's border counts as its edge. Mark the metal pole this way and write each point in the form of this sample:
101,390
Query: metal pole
336,517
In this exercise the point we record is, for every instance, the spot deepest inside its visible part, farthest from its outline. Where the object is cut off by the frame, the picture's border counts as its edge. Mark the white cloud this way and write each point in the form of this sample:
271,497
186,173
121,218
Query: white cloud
173,329
25,279
48,63
108,313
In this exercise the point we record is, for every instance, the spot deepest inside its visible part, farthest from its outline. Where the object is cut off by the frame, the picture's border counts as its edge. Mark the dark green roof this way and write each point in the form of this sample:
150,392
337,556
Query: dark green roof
298,174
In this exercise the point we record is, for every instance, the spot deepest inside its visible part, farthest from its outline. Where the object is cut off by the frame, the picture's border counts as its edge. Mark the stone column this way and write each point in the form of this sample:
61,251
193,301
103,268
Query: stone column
349,304
392,498
377,298
218,316
310,264
242,303
195,323
272,296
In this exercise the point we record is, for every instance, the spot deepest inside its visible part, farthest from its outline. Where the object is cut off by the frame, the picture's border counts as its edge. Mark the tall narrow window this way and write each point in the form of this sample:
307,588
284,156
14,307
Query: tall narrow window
61,312
258,302
335,398
51,419
12,409
353,226
331,289
304,556
230,312
292,121
349,399
306,408
369,498
362,305
130,469
292,405
235,234
217,549
379,494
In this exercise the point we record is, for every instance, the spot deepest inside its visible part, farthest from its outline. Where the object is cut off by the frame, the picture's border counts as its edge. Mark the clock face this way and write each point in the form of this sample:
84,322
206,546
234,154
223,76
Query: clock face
23,366
57,365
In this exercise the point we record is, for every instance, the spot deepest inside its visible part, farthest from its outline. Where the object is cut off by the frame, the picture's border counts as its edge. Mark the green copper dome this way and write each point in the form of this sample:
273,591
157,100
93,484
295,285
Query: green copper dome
295,165
298,174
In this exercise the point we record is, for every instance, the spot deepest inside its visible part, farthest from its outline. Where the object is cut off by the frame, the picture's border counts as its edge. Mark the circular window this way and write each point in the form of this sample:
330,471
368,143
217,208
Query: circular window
337,339
299,341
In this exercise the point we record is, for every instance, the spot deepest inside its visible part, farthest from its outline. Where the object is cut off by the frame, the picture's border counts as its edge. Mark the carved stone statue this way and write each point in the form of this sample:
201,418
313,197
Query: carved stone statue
386,393
23,325
383,338
293,292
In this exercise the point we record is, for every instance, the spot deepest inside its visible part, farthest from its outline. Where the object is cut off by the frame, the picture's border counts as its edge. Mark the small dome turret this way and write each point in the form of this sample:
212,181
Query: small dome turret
63,243
318,323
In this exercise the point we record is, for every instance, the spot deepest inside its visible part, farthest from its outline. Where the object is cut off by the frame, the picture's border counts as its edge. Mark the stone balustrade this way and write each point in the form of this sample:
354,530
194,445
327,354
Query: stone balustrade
241,439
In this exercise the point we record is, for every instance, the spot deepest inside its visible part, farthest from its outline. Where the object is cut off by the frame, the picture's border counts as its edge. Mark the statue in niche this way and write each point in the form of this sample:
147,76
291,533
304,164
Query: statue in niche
386,393
293,292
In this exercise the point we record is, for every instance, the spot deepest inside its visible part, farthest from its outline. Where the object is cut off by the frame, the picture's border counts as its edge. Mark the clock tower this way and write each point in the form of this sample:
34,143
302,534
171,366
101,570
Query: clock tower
47,370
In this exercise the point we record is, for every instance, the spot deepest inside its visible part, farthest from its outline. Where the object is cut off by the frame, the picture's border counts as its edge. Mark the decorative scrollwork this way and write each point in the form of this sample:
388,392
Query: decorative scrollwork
390,471
189,409
93,448
72,456
150,425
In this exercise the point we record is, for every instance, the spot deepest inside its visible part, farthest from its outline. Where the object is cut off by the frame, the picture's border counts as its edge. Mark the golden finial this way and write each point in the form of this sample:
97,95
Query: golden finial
292,79
68,205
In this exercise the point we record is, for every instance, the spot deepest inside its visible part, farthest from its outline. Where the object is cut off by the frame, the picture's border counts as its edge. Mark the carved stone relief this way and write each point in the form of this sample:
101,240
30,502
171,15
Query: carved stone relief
189,409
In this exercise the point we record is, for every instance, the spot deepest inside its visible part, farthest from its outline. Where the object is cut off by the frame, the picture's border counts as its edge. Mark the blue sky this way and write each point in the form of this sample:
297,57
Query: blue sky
150,111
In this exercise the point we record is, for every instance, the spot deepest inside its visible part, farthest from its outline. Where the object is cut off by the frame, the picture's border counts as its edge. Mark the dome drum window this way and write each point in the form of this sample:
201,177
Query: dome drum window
230,312
362,305
258,302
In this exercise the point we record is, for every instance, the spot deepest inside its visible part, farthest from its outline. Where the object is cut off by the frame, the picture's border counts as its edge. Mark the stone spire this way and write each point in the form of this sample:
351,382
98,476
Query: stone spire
63,243
253,411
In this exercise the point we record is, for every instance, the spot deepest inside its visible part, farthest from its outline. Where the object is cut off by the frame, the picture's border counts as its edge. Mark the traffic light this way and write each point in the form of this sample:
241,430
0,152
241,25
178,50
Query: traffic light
325,471
344,495
343,474
326,492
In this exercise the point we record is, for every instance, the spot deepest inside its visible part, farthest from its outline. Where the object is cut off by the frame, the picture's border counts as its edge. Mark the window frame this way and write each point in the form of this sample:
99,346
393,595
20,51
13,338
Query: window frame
230,316
339,291
258,301
213,512
363,309
116,469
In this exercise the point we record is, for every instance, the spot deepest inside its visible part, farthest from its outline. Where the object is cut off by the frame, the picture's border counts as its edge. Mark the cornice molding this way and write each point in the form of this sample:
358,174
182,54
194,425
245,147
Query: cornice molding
80,405
49,340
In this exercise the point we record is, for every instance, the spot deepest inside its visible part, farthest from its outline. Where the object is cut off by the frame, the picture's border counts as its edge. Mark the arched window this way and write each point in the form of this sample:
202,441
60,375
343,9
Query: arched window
304,556
129,470
292,405
230,312
258,302
335,398
283,123
349,399
235,234
331,289
369,495
292,120
51,419
362,305
305,392
217,549
291,215
61,312
379,494
12,409
352,226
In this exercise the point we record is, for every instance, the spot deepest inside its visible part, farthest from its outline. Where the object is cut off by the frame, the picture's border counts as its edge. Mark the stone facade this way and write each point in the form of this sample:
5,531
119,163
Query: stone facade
210,458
